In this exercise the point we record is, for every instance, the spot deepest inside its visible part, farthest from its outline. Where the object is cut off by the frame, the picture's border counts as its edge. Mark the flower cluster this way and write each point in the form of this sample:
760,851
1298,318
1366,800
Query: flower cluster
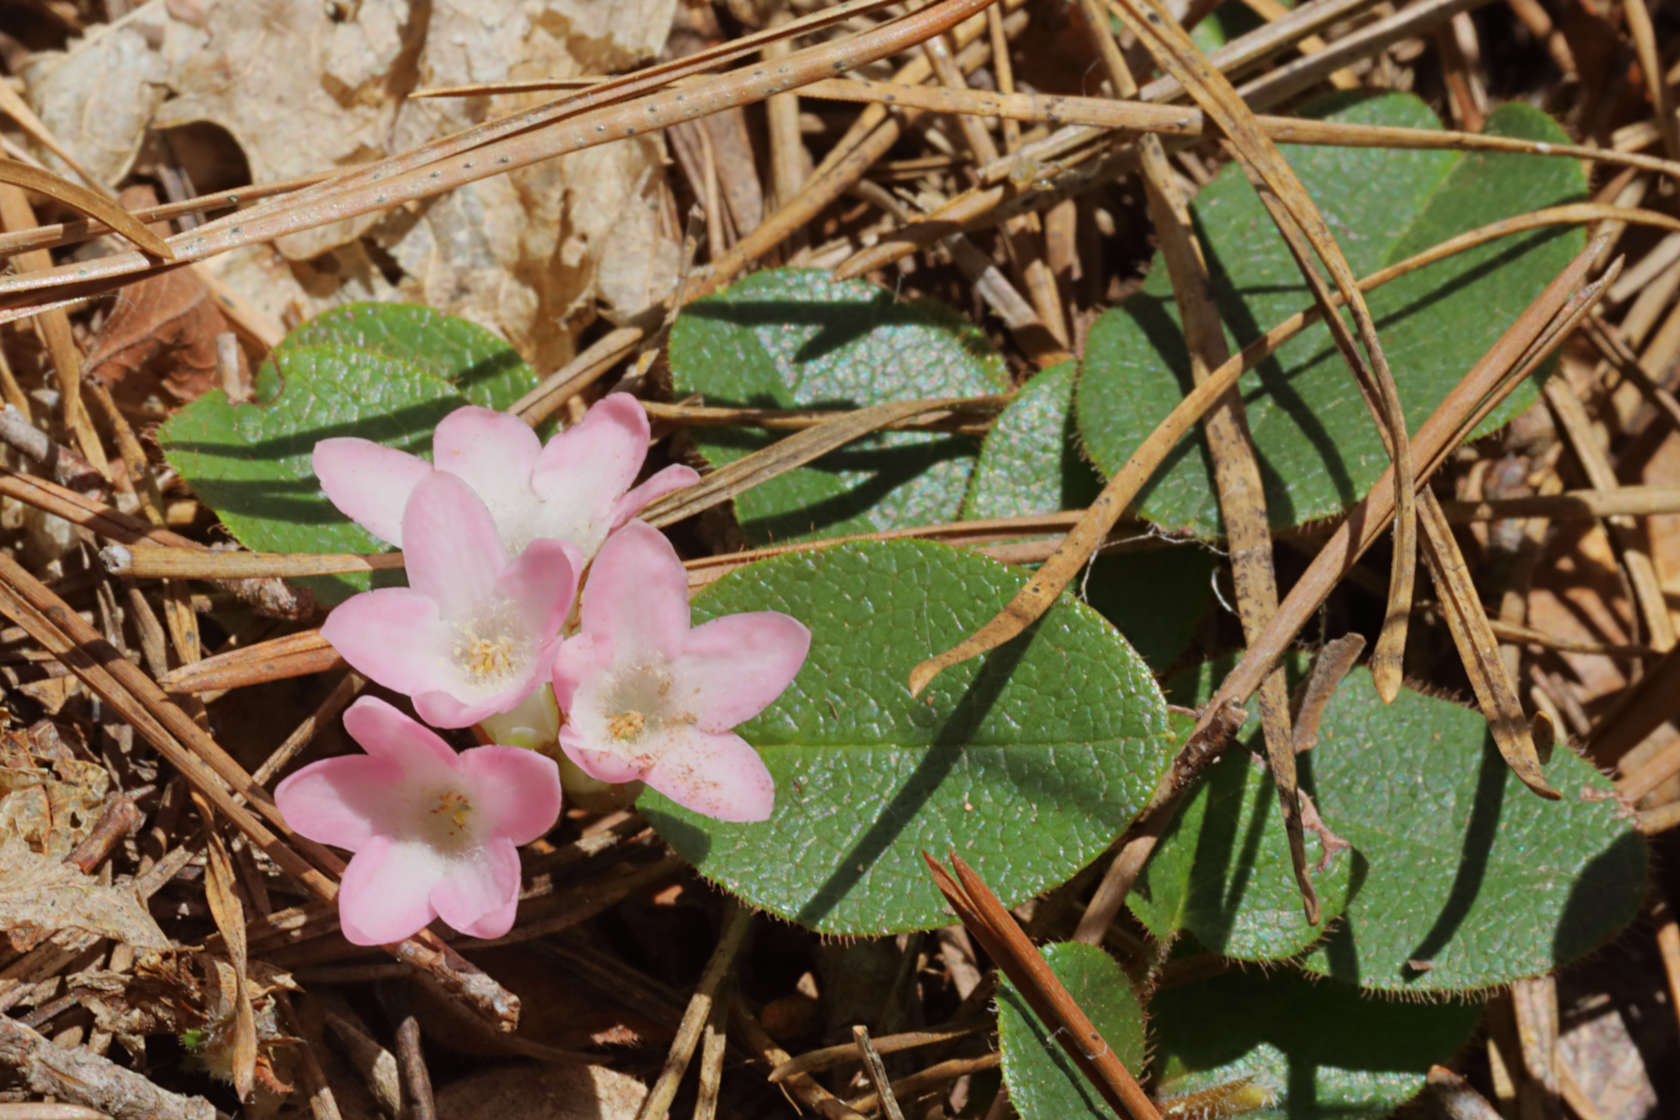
499,532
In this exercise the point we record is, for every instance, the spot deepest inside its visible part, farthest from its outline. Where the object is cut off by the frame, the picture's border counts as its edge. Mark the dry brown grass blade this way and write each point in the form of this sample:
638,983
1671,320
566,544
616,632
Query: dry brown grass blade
1007,944
1174,120
974,420
294,655
229,915
1330,664
1099,519
268,596
1302,226
1478,648
85,201
54,325
758,1042
1059,570
1645,46
1555,312
795,451
688,64
1523,345
657,1104
1092,526
1057,157
57,234
1236,470
869,137
599,115
1636,561
154,562
63,633
92,515
826,1056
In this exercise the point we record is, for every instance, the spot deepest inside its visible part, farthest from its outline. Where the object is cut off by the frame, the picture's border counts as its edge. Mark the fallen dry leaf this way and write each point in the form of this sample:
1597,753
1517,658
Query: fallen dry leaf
532,255
327,96
98,97
40,896
527,254
161,334
49,798
526,1092
193,995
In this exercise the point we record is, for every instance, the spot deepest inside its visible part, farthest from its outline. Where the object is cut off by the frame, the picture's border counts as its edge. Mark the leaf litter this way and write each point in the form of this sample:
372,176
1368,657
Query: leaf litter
121,946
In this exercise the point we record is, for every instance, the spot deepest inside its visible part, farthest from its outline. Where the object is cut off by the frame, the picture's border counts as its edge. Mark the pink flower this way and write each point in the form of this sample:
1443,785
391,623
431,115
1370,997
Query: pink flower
435,833
473,634
576,488
648,699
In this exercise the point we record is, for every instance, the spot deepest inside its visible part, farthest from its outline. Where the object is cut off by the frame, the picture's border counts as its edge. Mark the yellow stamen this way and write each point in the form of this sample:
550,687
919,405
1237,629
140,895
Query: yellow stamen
488,658
626,725
456,805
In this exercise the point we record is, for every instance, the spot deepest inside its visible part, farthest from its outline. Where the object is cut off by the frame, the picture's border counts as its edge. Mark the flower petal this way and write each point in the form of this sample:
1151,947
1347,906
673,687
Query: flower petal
340,801
385,893
580,658
393,636
603,766
673,478
385,732
734,667
517,788
719,775
368,482
478,894
636,599
495,453
606,448
452,550
463,708
541,585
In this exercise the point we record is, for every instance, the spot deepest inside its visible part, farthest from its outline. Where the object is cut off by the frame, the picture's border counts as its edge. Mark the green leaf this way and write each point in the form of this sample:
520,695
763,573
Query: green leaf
1229,21
1030,464
1472,880
1318,447
796,338
1315,1048
1029,460
481,367
1026,763
1222,870
384,372
1043,1082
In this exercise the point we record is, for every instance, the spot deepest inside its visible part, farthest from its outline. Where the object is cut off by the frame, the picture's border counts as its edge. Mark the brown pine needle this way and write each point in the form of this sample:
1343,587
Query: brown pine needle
1007,944
1174,120
89,202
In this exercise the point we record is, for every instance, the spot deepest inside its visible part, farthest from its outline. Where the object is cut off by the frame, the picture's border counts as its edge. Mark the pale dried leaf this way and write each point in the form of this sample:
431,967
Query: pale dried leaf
326,98
97,97
39,896
528,253
49,799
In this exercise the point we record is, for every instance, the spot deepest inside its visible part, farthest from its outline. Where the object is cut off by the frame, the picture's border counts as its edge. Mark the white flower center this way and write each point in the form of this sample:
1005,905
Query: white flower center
630,708
491,648
442,816
571,518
